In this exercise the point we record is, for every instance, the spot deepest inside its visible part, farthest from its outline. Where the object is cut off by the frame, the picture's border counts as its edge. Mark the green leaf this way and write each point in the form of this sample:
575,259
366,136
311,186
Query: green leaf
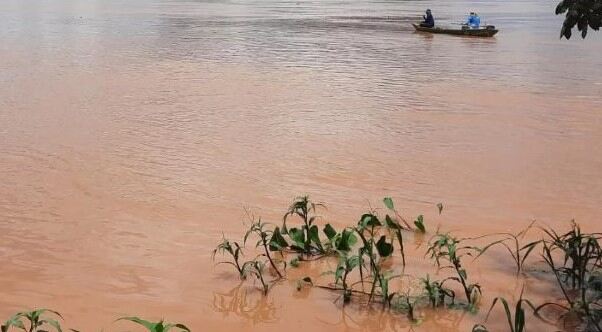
298,236
419,222
566,31
369,220
389,203
353,262
507,310
151,327
338,274
314,236
329,231
529,247
561,8
384,248
37,313
346,241
391,223
14,321
182,327
156,327
277,241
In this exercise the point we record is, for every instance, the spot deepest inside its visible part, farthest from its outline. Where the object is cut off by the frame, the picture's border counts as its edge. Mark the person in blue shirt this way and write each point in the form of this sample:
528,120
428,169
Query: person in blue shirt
429,20
474,21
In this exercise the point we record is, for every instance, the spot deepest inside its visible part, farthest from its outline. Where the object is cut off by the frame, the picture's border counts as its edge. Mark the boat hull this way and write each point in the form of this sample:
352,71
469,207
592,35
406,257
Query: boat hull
482,32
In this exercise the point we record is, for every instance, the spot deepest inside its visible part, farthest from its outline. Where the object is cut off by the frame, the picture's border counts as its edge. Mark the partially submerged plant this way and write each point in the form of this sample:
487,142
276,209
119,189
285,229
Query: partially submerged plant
585,301
516,321
33,321
306,239
340,242
159,326
581,253
409,299
419,222
407,304
436,292
345,266
255,268
394,228
447,251
375,250
383,282
512,243
268,240
234,250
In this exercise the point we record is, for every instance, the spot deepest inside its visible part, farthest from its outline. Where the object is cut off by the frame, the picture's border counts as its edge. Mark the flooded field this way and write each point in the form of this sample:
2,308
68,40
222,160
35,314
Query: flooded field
133,134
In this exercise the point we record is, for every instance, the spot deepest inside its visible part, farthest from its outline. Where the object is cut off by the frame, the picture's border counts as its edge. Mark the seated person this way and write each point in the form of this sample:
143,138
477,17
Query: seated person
474,21
429,20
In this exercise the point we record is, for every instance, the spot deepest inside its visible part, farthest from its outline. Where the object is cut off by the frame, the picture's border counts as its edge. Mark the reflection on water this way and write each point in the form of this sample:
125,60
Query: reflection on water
369,320
133,133
248,304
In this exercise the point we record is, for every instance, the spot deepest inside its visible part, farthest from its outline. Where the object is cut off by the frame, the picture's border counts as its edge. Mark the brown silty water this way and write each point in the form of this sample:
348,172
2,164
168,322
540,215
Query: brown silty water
133,135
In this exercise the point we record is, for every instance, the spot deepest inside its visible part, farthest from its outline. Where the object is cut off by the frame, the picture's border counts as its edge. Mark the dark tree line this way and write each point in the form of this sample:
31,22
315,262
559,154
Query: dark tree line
581,13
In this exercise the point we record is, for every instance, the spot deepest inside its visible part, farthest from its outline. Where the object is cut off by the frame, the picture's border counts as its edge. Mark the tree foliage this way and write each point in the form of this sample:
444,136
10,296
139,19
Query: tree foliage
581,13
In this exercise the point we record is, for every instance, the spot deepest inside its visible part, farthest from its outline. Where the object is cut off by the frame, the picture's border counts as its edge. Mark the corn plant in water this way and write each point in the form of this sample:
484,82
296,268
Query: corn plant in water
33,321
345,266
256,269
448,251
581,253
516,321
235,252
408,304
418,223
374,250
305,239
436,293
579,274
341,242
512,243
269,240
159,326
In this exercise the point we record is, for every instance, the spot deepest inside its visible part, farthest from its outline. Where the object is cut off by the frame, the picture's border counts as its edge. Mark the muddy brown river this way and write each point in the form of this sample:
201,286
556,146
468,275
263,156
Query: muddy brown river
133,134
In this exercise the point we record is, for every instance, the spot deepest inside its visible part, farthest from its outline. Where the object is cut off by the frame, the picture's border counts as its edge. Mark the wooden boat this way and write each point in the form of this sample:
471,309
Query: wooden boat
487,31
